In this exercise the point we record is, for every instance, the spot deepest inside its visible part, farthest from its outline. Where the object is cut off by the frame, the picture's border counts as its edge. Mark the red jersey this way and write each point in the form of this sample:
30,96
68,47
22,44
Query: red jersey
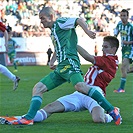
102,72
2,27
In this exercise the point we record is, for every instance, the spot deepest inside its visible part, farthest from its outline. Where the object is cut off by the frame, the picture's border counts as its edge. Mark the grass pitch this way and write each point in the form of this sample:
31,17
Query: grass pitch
17,102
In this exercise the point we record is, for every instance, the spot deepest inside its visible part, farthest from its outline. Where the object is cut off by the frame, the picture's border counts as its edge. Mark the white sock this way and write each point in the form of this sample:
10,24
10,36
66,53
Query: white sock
7,73
40,115
108,118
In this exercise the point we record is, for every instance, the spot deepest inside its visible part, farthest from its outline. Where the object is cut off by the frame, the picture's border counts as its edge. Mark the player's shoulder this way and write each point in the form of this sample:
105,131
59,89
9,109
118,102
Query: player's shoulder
1,22
62,19
131,24
119,23
12,39
110,56
2,25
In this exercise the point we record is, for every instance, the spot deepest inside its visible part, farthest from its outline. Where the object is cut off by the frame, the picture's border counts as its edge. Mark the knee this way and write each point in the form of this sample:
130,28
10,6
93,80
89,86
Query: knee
78,86
123,67
82,87
39,89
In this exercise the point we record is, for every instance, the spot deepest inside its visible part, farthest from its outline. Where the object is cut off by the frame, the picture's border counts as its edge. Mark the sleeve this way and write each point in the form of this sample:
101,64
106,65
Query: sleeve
2,27
116,30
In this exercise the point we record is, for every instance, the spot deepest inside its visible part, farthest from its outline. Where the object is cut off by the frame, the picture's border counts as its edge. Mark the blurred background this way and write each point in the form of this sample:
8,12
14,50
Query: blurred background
101,16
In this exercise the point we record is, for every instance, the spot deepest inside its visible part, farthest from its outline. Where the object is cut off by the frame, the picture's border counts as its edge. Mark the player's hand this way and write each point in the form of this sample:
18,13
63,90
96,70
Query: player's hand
92,34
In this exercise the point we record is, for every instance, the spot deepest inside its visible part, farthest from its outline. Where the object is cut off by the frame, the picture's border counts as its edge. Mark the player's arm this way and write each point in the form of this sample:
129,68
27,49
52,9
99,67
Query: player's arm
84,26
127,42
51,63
116,32
85,54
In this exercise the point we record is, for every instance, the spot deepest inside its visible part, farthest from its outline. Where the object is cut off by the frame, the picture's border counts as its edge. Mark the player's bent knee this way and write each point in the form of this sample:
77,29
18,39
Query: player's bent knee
82,87
39,89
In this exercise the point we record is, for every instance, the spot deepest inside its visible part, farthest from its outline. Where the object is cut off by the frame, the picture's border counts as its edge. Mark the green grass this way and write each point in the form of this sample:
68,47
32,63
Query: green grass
17,103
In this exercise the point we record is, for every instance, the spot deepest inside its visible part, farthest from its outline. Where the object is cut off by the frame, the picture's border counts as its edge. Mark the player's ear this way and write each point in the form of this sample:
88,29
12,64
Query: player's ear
114,50
52,17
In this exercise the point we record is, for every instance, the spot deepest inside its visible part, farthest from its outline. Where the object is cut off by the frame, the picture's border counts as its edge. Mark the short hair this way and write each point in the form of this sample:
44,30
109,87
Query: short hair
113,41
124,10
48,11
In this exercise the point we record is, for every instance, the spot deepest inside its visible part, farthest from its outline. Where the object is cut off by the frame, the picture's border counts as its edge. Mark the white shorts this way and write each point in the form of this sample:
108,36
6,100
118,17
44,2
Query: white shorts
77,101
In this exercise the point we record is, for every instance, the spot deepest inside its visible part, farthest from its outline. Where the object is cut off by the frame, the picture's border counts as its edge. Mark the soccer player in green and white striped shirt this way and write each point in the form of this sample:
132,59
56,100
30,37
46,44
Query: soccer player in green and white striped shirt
126,32
11,46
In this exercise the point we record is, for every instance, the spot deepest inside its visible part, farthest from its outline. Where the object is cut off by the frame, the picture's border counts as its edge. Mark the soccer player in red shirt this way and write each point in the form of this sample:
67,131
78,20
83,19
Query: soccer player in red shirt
98,77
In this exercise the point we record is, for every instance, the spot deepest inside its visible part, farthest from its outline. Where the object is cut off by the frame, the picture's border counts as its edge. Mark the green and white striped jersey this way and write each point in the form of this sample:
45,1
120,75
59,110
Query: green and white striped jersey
65,39
126,31
11,46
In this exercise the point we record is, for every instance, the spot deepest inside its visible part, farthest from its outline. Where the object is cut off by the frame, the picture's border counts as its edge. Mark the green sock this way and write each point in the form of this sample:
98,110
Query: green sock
123,82
15,65
100,99
34,107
